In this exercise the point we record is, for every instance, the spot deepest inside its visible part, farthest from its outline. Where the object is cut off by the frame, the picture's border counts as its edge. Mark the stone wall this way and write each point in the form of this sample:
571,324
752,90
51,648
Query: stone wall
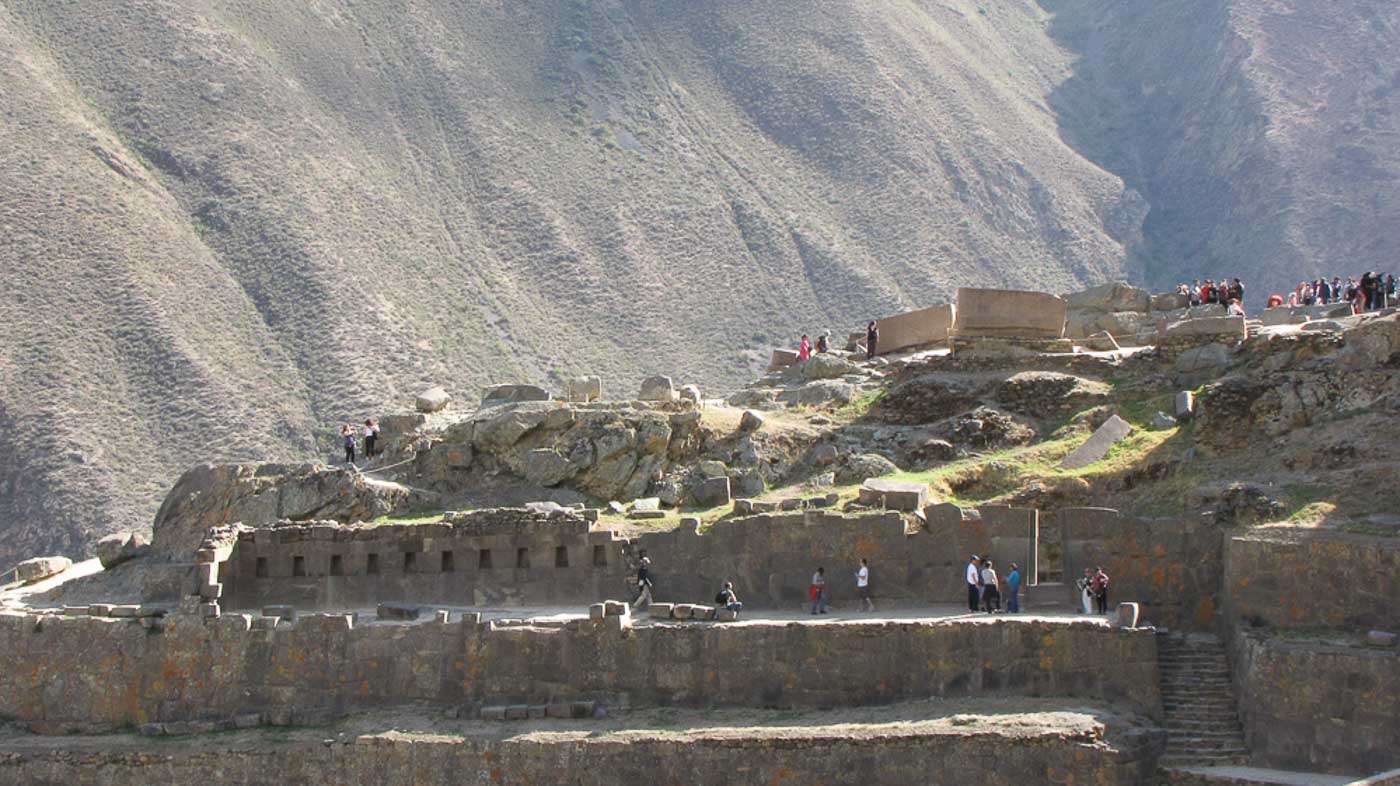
1171,567
1311,705
915,328
514,557
64,673
1008,313
580,759
1323,579
493,557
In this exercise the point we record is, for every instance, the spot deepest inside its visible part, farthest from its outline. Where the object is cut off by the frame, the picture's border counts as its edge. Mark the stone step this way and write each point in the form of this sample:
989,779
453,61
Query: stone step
1193,739
1187,728
1198,701
1181,760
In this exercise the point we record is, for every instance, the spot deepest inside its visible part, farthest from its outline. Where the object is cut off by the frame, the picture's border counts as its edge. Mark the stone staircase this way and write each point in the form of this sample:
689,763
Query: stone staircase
1253,326
1203,723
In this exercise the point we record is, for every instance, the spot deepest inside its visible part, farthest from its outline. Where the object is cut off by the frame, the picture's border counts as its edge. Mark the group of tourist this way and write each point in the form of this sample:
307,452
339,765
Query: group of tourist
984,587
1371,292
805,347
369,434
727,598
1229,294
1093,591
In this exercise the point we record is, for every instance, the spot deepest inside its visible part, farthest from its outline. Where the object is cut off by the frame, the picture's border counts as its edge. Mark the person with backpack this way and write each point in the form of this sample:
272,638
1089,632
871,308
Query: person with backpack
818,592
991,595
1100,590
726,599
824,343
371,435
863,585
347,438
644,583
872,339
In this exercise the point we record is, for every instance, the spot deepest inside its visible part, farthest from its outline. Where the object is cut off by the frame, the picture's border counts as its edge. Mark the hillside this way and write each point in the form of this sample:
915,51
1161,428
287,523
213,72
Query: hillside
229,225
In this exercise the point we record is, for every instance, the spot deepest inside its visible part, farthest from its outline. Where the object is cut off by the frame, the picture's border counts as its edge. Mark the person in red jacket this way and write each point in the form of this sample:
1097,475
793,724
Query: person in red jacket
804,349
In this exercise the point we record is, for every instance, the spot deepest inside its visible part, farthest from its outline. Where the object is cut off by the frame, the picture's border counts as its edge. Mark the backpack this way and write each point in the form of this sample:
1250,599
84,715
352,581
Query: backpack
722,598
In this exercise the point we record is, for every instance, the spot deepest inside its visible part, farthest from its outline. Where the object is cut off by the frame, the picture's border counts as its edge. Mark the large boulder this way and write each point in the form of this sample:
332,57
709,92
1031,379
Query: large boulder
120,547
210,495
825,366
40,568
510,394
858,469
1043,394
1116,296
1204,330
657,388
432,400
822,392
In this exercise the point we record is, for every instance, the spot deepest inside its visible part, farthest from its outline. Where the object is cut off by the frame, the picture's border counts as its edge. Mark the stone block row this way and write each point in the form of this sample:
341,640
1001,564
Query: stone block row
560,710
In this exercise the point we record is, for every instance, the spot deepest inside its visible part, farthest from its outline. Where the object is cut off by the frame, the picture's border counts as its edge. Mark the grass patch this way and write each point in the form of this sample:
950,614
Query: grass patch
423,517
859,407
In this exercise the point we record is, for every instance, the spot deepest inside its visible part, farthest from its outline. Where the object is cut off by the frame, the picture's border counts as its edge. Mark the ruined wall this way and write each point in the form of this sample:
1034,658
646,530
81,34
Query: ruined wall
491,557
915,328
89,672
1338,712
390,760
1323,579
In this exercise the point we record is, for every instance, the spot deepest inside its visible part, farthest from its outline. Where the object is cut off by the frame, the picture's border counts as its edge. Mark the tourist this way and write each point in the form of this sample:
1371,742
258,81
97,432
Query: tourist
1234,309
1013,590
1275,300
863,585
818,592
1236,290
1324,292
872,339
644,583
824,342
371,435
804,349
347,437
991,595
1100,587
1389,290
1195,293
974,584
1083,584
727,599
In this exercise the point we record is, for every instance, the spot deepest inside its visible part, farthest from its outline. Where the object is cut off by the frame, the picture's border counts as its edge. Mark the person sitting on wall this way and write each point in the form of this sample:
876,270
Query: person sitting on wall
727,599
823,343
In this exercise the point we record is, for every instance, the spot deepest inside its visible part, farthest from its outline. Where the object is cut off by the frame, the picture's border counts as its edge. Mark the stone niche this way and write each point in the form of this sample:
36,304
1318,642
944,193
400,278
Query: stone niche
1005,313
914,328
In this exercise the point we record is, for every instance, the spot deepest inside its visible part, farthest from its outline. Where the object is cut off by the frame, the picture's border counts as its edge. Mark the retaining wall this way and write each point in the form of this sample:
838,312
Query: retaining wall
1329,580
87,672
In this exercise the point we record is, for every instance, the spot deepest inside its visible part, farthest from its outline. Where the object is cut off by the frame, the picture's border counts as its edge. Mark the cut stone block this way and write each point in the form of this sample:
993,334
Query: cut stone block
713,492
646,504
517,712
120,547
494,713
536,711
894,494
1127,615
1113,431
211,591
209,610
281,612
791,503
100,610
124,611
782,358
726,615
442,616
743,507
597,612
1162,421
657,388
613,608
647,514
583,709
396,611
660,611
584,389
40,568
559,711
432,400
681,611
509,394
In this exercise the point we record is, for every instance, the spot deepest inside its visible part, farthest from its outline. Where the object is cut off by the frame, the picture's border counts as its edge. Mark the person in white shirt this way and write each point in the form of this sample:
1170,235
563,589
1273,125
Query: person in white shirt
863,585
974,582
990,593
